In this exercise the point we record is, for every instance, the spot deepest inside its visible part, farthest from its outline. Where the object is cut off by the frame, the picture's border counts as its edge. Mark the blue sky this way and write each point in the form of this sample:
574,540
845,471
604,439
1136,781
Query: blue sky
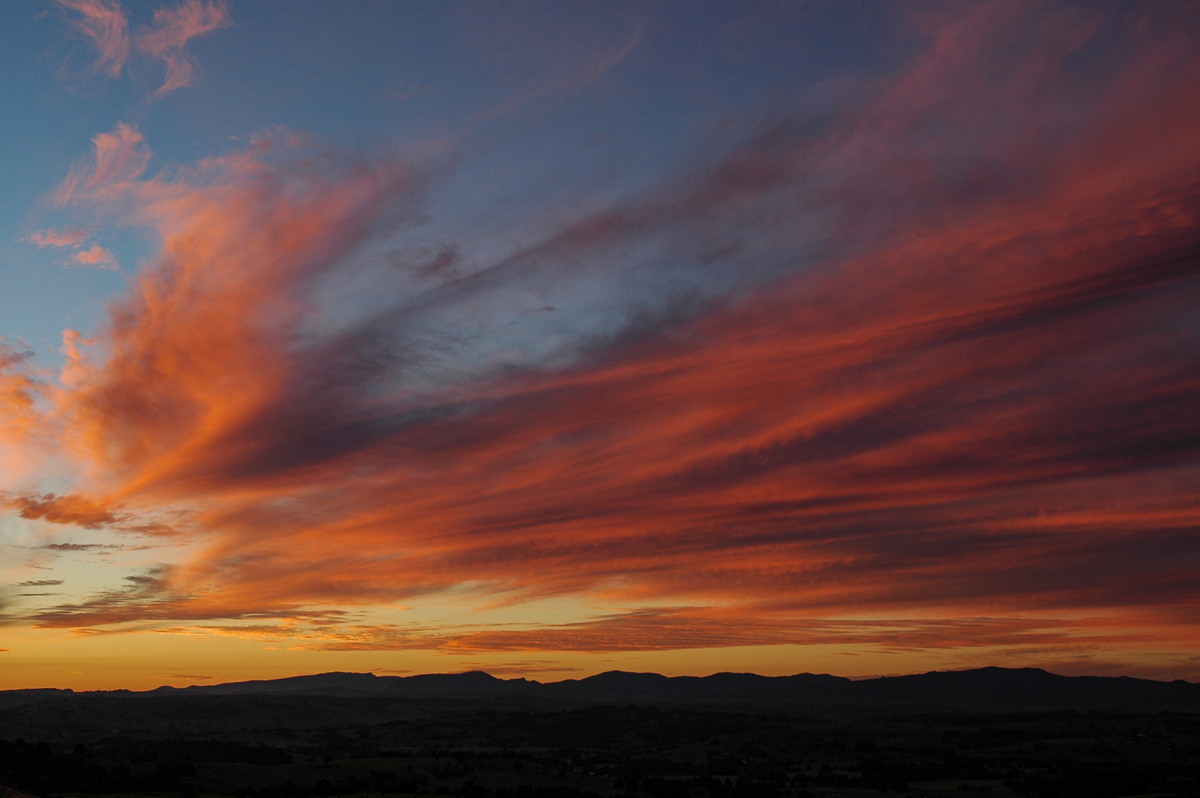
515,106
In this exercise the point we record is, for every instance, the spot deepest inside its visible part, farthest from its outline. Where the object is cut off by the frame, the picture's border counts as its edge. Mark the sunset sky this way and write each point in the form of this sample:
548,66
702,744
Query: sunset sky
553,338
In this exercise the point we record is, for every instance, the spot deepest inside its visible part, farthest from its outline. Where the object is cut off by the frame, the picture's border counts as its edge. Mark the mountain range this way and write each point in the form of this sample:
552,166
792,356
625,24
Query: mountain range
345,699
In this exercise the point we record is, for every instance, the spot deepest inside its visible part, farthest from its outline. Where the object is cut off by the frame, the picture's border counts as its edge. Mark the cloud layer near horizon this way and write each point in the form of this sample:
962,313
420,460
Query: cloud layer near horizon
931,355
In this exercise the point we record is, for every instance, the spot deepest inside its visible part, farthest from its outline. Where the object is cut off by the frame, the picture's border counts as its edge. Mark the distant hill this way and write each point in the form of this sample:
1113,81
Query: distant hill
343,699
988,689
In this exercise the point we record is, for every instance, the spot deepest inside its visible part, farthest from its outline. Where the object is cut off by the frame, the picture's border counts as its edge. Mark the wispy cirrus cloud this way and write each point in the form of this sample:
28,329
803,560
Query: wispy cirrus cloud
120,158
173,28
106,24
149,597
564,80
678,628
932,351
93,257
517,669
58,238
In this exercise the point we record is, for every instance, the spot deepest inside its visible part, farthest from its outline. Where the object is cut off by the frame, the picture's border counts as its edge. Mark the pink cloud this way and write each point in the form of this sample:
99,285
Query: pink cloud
172,29
58,238
108,147
96,257
119,159
104,22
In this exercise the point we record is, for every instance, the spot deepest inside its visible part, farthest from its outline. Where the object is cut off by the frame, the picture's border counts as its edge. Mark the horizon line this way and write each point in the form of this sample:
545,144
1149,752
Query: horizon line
514,678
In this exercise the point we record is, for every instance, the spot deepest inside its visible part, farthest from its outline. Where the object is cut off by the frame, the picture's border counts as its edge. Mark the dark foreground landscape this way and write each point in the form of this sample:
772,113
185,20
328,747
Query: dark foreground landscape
990,732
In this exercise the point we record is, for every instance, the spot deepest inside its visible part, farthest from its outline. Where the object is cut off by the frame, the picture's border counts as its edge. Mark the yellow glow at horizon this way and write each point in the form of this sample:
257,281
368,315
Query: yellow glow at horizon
143,660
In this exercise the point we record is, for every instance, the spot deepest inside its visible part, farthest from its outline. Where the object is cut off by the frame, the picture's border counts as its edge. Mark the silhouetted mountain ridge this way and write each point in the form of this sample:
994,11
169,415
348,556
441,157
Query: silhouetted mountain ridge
989,688
338,699
332,683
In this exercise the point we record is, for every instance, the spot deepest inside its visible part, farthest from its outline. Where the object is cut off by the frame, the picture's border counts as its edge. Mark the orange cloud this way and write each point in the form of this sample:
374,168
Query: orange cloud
75,510
664,629
22,421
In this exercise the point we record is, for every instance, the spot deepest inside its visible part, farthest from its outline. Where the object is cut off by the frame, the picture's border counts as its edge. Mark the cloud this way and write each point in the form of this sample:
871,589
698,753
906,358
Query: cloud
105,23
58,238
22,389
150,597
679,628
120,158
931,353
40,583
564,79
75,510
172,29
218,313
662,630
145,590
87,513
96,257
521,668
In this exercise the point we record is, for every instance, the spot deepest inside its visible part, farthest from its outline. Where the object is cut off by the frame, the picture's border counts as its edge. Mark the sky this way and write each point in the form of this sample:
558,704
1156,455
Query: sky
551,338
